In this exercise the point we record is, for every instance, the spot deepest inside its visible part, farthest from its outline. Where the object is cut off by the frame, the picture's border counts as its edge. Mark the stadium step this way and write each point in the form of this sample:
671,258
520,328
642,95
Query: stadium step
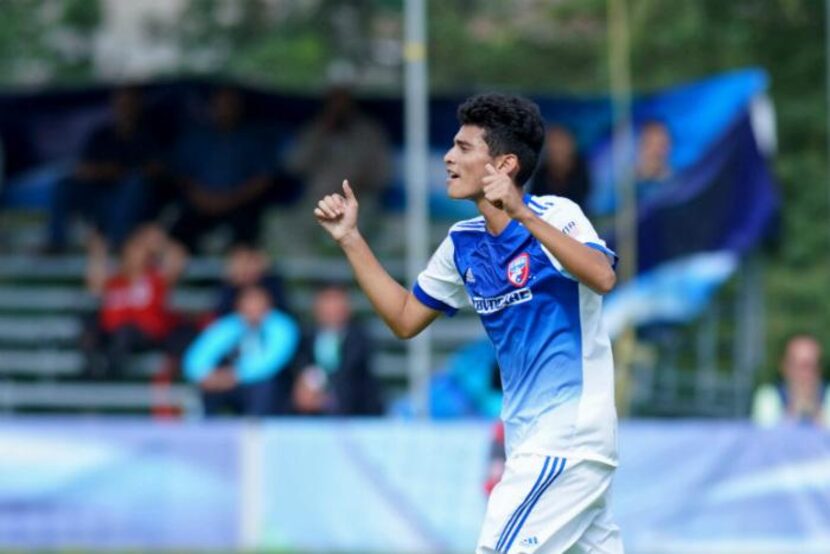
43,301
95,395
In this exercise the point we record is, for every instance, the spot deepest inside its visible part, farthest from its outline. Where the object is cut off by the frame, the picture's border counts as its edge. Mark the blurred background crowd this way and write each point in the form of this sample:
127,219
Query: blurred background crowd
148,179
160,160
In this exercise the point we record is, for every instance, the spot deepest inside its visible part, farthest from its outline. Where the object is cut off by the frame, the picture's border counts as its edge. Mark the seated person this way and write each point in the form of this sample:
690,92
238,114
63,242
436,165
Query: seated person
112,182
241,360
341,142
224,173
335,376
134,313
469,385
563,170
801,397
247,266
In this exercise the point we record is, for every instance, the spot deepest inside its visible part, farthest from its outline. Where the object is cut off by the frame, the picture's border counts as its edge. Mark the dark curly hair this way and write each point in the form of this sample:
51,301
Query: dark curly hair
512,125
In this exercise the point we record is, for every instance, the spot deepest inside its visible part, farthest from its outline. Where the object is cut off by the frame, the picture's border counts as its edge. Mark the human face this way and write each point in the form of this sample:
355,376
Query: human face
802,363
466,163
332,309
655,144
226,106
254,305
126,104
246,266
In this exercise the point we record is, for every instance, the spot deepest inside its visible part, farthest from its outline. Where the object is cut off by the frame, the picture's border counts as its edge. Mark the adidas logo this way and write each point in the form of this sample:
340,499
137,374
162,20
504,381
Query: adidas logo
469,277
529,541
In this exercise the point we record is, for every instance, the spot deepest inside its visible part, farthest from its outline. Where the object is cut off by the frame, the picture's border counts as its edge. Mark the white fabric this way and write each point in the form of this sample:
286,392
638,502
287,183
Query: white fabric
566,215
441,280
570,515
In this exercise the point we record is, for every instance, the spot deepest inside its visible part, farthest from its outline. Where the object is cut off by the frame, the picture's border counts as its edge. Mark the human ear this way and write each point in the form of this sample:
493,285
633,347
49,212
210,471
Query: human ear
507,163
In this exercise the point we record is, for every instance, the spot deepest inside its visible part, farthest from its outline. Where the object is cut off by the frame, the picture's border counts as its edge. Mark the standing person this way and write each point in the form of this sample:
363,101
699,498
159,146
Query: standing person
224,172
341,142
535,271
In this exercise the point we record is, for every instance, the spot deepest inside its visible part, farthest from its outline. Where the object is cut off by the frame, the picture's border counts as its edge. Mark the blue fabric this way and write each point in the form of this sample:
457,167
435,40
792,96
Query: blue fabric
431,302
115,208
256,354
222,161
327,350
612,256
726,202
674,292
471,367
535,328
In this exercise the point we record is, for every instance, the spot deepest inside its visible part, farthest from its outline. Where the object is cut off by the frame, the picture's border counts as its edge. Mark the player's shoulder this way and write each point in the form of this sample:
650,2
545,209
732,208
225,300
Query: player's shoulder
472,225
551,204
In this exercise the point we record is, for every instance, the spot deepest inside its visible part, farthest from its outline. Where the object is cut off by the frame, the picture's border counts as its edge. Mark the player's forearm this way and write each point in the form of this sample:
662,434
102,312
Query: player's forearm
586,264
387,296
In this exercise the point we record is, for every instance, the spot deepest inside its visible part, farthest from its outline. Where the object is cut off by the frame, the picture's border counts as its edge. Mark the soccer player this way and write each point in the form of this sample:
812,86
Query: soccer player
535,271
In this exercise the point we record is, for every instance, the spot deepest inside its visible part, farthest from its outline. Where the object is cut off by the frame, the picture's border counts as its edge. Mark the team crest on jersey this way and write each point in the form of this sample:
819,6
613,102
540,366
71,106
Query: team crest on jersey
518,270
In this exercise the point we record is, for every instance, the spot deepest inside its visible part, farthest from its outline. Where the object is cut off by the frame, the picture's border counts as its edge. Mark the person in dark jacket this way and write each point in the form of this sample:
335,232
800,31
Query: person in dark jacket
563,171
334,375
112,182
248,266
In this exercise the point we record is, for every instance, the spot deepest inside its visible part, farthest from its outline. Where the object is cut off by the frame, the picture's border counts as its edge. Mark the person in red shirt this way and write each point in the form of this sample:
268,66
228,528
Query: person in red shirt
133,314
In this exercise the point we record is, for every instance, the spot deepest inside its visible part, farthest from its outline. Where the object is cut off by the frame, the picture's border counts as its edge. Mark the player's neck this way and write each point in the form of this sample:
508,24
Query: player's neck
496,219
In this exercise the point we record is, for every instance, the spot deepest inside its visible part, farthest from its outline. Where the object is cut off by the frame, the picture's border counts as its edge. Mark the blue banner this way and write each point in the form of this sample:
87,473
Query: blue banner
118,484
720,196
388,486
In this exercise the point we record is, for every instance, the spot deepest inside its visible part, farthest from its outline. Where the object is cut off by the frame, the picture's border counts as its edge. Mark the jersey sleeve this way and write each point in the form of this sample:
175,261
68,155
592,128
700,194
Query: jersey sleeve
439,286
568,217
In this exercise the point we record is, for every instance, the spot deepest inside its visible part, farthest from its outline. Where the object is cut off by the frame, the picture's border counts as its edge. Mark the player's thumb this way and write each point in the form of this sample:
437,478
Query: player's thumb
348,192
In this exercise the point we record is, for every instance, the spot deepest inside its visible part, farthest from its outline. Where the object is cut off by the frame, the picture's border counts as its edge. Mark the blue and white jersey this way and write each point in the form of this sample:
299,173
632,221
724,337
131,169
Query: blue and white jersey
555,357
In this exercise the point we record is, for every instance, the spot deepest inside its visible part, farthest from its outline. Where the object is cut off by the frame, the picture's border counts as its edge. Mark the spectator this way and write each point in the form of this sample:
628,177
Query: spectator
134,314
653,159
341,142
467,386
113,180
563,171
801,397
335,377
224,173
247,266
240,361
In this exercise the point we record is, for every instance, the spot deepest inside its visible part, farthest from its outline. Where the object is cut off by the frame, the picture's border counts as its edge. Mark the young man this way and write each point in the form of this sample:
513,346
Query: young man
534,269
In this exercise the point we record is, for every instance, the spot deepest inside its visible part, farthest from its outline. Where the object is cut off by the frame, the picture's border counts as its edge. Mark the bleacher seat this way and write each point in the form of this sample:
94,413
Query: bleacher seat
42,301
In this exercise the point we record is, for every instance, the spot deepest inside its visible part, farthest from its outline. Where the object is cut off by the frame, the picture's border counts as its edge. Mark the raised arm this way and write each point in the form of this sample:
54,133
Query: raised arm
97,265
586,264
402,312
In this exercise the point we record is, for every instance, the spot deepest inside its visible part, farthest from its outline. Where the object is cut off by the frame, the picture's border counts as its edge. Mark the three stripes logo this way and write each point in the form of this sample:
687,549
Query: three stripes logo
550,471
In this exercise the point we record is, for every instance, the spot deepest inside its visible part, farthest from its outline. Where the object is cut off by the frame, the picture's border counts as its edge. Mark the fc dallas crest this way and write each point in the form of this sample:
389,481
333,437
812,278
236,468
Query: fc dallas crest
518,270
